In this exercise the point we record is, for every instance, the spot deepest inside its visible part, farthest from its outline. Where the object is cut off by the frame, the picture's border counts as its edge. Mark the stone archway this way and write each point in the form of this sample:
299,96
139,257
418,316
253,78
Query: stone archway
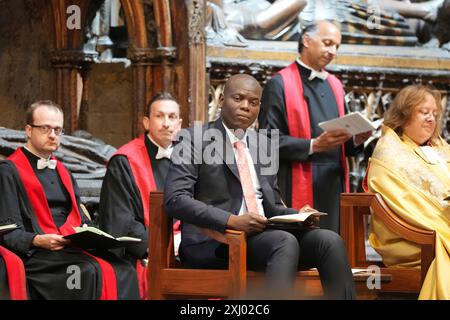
156,66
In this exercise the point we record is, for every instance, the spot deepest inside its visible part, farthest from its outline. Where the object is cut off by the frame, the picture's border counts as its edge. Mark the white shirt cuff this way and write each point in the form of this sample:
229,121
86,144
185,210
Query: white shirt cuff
311,147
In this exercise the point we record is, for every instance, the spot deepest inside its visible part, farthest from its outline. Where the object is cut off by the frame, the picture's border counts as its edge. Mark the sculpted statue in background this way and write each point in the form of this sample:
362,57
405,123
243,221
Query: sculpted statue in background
361,23
382,22
229,20
429,19
427,10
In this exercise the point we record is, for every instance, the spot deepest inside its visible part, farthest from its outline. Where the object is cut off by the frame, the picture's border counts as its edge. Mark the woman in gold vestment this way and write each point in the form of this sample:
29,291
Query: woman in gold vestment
410,168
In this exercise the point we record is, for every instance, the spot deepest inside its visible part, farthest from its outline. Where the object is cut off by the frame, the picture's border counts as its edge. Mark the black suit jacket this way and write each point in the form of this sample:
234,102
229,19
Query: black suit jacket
205,195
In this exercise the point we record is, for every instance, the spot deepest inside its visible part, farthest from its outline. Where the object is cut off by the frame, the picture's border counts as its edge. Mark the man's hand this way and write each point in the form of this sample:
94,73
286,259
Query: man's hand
329,140
248,222
51,242
360,138
311,222
307,208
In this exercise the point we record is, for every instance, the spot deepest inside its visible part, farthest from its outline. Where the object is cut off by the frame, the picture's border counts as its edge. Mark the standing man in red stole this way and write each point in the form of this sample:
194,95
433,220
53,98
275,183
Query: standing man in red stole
313,168
133,171
41,197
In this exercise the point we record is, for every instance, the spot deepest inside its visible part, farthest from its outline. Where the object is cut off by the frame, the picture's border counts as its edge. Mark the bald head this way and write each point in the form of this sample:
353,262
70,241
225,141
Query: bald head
240,101
239,79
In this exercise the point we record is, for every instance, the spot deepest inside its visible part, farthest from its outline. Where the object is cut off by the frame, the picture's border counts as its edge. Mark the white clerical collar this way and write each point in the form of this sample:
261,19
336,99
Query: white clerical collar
162,152
233,138
314,74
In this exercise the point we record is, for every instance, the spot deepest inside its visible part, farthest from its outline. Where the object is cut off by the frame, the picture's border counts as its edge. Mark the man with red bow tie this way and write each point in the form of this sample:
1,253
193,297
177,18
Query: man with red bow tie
41,197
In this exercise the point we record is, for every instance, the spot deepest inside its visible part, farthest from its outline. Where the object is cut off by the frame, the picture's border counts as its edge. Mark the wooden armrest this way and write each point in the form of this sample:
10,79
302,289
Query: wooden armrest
400,226
388,217
351,222
228,237
237,256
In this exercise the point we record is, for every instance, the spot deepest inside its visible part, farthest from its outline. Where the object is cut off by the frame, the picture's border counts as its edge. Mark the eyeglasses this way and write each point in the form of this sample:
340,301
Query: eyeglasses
45,129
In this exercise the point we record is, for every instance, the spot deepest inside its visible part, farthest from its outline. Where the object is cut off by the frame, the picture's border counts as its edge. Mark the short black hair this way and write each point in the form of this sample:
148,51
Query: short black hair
311,28
164,95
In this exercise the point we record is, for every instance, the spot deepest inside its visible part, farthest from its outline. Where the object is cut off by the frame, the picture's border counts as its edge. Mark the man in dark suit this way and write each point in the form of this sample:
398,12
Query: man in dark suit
207,187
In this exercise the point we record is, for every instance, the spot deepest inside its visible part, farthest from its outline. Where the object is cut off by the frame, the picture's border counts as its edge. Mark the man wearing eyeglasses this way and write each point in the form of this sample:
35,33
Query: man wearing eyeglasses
42,198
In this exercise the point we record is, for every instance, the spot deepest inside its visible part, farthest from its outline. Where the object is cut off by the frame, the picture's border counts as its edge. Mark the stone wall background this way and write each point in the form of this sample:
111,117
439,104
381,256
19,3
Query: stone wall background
25,71
26,75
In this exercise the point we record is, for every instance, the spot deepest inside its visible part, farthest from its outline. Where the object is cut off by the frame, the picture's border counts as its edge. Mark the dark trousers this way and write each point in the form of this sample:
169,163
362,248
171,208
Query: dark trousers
281,254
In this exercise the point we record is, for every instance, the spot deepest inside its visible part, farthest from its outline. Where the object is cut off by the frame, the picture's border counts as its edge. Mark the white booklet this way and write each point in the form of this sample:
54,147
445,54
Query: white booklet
88,237
8,227
296,217
355,123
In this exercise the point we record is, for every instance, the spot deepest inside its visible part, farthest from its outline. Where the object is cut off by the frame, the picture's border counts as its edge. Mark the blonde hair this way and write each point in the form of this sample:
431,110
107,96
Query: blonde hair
404,104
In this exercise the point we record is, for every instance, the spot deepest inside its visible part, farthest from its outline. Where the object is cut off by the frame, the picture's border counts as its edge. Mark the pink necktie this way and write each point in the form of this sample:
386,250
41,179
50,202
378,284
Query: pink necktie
246,180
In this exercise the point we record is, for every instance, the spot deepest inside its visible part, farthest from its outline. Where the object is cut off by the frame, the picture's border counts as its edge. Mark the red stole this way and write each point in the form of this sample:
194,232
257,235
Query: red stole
16,275
39,203
299,127
141,168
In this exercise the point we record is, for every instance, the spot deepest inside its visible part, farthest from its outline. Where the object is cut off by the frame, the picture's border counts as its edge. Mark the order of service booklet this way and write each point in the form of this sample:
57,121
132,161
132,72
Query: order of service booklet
296,220
87,237
355,123
7,227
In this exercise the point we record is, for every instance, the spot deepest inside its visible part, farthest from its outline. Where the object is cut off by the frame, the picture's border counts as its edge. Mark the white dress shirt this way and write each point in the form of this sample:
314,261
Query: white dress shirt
253,175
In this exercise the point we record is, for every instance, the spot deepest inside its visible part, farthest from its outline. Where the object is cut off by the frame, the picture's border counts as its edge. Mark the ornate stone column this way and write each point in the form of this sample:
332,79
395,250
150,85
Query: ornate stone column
152,73
71,72
197,61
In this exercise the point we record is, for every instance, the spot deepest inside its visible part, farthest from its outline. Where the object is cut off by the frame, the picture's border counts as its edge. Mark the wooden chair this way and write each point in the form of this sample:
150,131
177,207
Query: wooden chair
354,207
168,279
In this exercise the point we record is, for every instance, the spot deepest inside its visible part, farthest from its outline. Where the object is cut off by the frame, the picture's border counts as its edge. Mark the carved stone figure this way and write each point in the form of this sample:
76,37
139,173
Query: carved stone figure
253,19
382,22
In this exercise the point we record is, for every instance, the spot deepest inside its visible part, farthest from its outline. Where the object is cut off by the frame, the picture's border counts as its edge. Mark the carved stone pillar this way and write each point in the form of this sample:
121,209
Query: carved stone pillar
152,72
70,87
197,61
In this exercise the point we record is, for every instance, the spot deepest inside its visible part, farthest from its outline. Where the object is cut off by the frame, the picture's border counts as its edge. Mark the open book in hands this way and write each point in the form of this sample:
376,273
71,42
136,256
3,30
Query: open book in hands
92,238
7,227
355,123
298,220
